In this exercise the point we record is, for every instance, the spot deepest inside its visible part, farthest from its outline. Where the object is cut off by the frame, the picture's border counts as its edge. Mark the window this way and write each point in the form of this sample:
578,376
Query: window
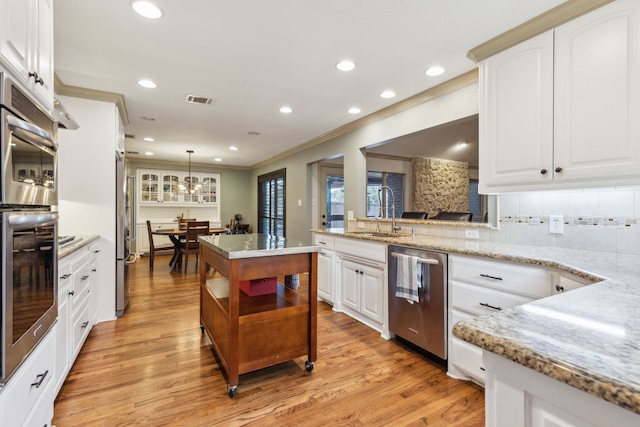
271,203
379,204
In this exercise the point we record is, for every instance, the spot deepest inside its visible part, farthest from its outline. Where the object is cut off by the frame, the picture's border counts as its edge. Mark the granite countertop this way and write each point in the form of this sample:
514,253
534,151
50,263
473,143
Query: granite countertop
77,243
588,338
234,246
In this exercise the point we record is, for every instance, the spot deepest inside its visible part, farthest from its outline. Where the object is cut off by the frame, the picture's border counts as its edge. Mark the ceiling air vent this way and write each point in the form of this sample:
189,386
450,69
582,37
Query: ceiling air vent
199,100
128,135
132,152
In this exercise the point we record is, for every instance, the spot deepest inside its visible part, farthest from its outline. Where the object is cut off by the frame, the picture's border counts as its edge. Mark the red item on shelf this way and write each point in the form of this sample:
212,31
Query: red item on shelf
255,287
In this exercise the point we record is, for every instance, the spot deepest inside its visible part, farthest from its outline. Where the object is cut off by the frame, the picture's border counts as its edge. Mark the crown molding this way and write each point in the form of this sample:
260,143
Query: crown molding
96,95
550,19
463,80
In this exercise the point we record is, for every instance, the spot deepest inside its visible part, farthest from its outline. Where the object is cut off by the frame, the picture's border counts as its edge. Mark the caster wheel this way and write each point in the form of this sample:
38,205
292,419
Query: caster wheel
231,391
308,365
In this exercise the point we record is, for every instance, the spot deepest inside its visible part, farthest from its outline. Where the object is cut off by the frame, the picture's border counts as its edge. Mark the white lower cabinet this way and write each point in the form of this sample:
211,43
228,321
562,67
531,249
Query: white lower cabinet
517,396
76,306
362,281
326,270
480,286
27,398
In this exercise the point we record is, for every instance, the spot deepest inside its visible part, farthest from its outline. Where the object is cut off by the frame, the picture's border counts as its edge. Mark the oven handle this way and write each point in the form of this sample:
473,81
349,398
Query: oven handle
33,219
30,133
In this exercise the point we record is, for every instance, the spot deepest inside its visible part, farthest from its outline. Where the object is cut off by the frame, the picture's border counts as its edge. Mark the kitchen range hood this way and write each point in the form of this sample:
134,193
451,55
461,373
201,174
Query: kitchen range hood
62,116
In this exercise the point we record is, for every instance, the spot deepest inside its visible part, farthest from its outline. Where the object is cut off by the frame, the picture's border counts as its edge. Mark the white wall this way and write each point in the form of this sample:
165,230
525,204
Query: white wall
87,190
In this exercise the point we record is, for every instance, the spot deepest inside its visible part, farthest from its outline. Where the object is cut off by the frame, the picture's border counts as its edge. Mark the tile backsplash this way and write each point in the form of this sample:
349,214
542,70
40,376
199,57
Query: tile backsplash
604,220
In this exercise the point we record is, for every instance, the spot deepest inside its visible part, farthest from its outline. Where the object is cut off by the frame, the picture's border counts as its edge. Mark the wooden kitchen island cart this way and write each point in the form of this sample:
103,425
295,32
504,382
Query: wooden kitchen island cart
253,332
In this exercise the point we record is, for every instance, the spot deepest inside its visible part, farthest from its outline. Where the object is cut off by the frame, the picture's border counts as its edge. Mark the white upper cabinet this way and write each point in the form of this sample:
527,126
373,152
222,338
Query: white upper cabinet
560,110
26,45
157,187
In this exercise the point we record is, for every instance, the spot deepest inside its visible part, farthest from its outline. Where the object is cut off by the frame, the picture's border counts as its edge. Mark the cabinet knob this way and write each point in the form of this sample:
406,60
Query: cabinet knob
558,169
72,293
543,171
559,288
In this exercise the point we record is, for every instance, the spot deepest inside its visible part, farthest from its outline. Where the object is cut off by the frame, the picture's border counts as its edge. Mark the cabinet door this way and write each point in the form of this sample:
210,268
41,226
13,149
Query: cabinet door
170,188
149,185
516,116
371,284
325,275
350,285
597,94
15,35
210,188
43,52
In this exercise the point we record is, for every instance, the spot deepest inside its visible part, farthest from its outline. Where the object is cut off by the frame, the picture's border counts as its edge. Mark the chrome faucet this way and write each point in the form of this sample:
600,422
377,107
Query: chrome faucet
394,228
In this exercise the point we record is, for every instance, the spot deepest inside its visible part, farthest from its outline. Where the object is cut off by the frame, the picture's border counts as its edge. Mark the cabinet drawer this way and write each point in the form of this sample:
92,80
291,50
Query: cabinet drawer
31,382
478,300
94,251
362,249
512,277
80,327
323,241
467,358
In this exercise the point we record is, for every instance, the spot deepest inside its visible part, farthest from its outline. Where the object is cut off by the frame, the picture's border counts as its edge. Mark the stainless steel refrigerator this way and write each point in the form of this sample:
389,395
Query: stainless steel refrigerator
125,224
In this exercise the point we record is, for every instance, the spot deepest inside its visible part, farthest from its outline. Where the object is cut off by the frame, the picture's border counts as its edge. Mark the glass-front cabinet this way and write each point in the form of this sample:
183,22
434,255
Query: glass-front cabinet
178,188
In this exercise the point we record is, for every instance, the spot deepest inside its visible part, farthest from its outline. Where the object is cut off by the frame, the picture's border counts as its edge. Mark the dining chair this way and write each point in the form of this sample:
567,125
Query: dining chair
153,248
414,215
191,245
454,216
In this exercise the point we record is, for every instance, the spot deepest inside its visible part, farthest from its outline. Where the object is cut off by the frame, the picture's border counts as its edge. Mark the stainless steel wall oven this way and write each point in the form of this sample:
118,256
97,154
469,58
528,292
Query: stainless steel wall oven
29,225
28,149
29,278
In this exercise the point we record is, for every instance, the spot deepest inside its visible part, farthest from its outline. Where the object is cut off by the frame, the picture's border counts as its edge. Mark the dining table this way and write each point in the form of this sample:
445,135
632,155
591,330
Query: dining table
177,236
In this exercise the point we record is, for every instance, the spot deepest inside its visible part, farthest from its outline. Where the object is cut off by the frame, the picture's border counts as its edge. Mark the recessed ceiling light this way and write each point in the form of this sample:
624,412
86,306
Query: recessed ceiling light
434,71
387,94
148,139
149,119
286,110
148,153
345,65
147,83
353,110
217,159
233,148
147,9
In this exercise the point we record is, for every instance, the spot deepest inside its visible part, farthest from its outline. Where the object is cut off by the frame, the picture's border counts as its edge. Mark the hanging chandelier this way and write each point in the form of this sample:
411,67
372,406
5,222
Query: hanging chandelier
189,188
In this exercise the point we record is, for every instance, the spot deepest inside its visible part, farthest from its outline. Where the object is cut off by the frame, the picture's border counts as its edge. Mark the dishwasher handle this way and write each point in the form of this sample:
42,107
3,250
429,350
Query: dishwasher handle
420,260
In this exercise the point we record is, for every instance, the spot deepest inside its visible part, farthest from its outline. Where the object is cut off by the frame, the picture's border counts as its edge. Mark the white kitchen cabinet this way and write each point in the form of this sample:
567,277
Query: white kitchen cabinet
326,267
517,396
362,282
77,306
480,286
159,187
560,110
26,45
27,398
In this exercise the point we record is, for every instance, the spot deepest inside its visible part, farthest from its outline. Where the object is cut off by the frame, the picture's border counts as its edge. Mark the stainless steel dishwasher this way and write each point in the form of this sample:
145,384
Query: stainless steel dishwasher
422,323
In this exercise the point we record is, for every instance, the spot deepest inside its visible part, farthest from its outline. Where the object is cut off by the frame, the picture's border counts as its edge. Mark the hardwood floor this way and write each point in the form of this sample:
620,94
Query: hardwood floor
153,367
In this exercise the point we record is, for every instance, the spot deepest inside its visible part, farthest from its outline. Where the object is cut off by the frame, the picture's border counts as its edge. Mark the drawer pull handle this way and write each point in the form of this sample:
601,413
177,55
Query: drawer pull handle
39,379
484,304
84,277
65,276
481,368
322,242
491,277
85,324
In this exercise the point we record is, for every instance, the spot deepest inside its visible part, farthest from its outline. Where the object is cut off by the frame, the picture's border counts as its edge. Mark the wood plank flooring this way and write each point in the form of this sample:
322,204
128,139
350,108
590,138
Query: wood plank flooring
153,367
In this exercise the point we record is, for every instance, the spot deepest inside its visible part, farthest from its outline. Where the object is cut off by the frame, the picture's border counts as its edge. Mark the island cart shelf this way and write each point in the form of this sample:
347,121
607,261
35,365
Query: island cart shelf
251,333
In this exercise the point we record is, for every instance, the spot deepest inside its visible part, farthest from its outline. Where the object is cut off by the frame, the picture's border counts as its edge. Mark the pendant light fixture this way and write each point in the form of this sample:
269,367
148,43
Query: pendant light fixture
188,186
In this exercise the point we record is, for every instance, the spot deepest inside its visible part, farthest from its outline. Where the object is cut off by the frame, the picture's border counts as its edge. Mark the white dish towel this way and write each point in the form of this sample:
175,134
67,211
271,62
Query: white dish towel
408,277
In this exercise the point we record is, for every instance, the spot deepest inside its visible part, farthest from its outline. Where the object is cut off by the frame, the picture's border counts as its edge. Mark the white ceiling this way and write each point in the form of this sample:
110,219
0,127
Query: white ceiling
254,56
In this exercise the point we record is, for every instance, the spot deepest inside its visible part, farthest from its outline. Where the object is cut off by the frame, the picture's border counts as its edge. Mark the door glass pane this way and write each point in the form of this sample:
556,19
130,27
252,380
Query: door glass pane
335,201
